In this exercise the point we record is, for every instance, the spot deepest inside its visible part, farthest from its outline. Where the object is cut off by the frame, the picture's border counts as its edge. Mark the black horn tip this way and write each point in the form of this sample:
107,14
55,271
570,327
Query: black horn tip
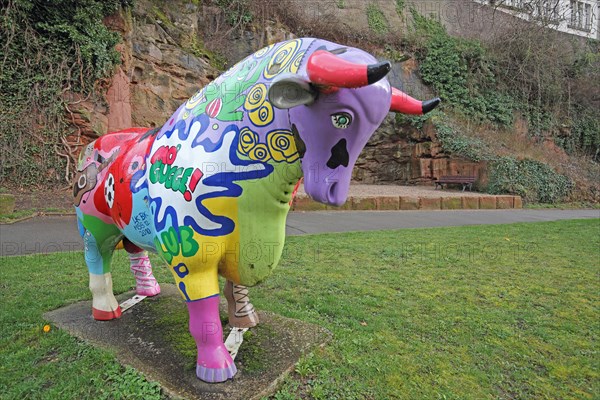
429,105
376,72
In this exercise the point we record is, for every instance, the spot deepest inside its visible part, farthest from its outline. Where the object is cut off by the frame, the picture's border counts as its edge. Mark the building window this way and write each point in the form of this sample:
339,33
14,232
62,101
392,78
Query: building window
588,17
582,16
574,13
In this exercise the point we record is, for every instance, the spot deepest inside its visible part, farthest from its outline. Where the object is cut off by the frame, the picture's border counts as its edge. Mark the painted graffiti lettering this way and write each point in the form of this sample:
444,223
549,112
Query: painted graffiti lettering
166,154
141,223
178,179
173,246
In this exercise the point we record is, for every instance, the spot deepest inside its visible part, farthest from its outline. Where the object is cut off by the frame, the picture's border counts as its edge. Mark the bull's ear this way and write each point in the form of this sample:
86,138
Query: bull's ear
290,90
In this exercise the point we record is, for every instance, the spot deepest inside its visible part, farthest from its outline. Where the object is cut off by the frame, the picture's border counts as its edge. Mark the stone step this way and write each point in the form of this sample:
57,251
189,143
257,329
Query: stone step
387,203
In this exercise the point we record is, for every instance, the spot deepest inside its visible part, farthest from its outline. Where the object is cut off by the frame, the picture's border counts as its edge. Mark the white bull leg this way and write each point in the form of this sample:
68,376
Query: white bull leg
104,304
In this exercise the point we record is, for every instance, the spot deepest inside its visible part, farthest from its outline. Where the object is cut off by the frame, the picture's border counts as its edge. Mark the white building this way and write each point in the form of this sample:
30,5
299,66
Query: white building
577,17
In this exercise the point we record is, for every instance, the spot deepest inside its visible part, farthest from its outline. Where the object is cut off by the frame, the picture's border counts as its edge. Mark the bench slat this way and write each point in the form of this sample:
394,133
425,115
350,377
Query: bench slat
465,181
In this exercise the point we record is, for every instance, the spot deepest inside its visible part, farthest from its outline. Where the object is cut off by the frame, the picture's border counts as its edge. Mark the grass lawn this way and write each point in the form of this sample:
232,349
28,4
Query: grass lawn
490,312
24,214
577,205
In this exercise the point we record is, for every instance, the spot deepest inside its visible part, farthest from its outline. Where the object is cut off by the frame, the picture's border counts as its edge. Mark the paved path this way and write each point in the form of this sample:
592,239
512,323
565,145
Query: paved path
337,221
51,234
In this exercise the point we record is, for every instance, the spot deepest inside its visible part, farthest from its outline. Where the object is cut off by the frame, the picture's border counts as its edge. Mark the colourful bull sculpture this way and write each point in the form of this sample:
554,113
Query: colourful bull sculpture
210,190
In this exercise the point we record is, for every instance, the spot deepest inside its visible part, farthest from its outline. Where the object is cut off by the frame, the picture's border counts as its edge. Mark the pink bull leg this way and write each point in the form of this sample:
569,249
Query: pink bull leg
214,362
145,283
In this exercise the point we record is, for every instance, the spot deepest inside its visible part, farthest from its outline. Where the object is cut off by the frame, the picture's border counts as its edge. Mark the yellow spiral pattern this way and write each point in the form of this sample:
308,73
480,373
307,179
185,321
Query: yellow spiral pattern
282,146
295,65
261,111
282,58
195,99
260,152
264,51
256,97
263,116
248,140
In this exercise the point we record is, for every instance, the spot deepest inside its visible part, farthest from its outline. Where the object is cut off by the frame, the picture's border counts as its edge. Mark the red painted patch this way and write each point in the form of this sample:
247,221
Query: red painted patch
214,107
196,176
100,315
123,168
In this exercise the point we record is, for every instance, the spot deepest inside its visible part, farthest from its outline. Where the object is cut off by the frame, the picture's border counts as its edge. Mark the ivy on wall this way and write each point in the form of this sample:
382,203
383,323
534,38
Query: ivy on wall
238,12
47,48
461,71
533,180
470,78
376,19
584,133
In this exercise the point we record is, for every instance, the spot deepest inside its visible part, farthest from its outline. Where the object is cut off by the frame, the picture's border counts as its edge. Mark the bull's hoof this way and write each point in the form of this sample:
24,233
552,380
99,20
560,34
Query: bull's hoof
215,375
100,315
148,291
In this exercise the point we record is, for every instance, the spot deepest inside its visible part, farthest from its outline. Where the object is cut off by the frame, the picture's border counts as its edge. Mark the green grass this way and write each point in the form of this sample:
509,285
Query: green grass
400,4
563,206
16,216
376,19
508,311
23,214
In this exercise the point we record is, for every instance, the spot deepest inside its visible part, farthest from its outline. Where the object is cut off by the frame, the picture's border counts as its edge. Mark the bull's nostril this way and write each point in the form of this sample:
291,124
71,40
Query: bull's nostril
331,192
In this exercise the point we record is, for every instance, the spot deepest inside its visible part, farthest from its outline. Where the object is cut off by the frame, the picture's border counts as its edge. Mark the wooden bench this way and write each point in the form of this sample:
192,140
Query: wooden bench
465,181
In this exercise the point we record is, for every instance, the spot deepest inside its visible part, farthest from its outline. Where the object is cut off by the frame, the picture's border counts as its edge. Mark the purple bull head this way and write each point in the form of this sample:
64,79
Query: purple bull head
336,101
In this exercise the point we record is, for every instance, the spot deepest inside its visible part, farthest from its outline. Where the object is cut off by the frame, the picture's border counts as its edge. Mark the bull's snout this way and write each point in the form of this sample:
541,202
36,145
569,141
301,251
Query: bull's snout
337,194
325,185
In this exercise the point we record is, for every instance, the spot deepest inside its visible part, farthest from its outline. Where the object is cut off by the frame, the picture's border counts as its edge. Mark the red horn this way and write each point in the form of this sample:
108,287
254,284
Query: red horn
329,70
403,103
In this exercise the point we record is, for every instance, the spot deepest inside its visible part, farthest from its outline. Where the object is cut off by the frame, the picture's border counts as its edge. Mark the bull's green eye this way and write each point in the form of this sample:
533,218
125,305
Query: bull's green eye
341,120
